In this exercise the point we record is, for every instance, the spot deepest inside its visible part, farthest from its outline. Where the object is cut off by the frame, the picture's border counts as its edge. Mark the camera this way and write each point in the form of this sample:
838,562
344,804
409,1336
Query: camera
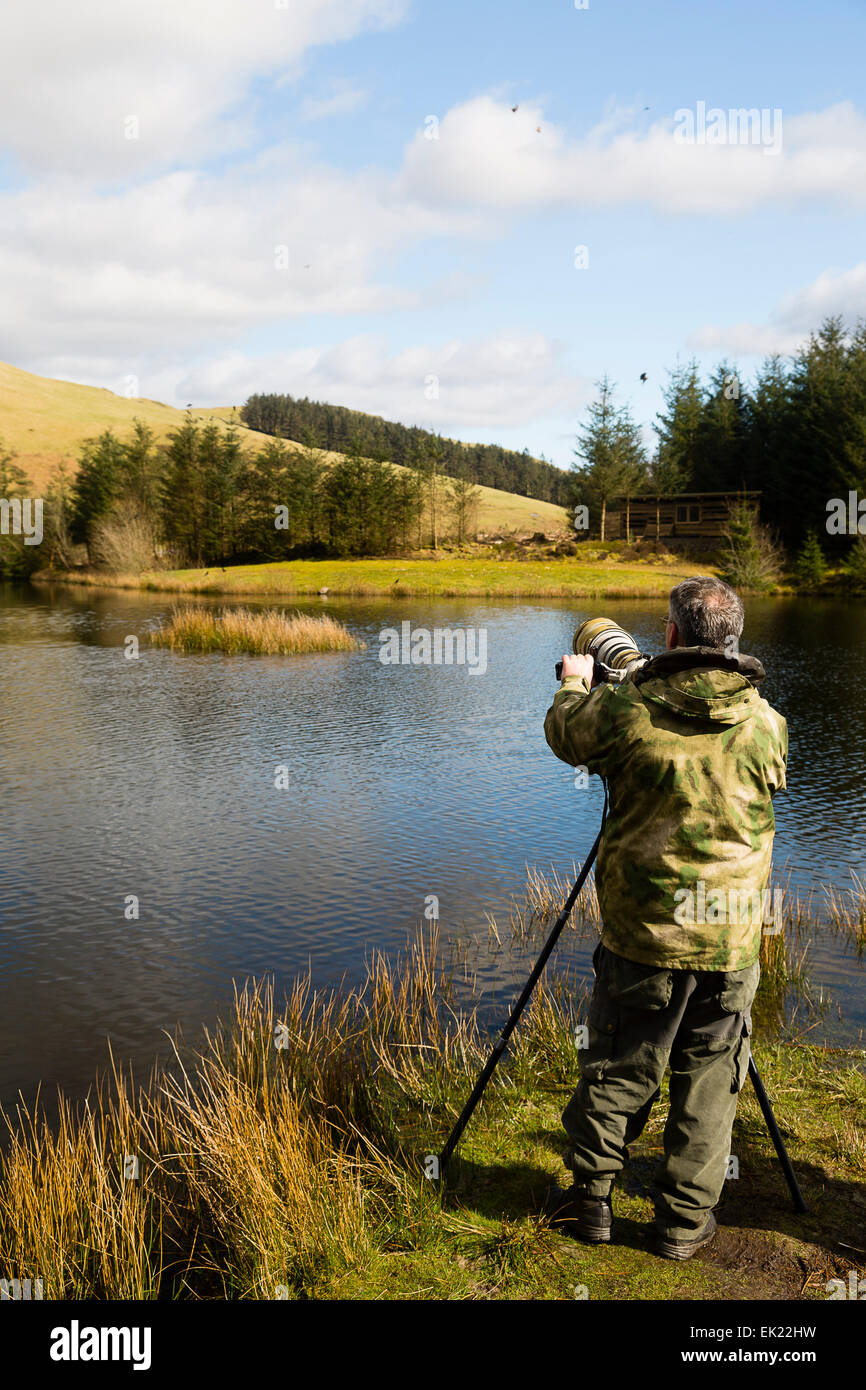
613,650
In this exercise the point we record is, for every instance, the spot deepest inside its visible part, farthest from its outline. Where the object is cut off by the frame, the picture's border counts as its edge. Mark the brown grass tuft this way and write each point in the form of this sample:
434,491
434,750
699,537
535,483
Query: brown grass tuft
270,633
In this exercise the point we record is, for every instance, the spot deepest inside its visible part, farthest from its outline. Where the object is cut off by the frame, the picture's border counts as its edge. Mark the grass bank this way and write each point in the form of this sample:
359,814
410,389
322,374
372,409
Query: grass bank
452,576
196,629
283,1157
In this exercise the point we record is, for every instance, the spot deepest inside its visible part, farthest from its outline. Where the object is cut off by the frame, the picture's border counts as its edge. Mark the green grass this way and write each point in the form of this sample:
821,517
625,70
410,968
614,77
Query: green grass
453,576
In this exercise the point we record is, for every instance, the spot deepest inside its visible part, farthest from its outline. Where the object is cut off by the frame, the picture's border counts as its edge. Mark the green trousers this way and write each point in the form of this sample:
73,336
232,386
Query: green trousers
641,1020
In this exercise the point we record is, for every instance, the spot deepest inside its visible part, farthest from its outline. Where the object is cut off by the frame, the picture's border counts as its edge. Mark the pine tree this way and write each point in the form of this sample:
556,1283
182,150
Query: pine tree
752,559
183,494
720,444
614,456
262,489
768,433
142,468
99,482
676,459
810,566
825,456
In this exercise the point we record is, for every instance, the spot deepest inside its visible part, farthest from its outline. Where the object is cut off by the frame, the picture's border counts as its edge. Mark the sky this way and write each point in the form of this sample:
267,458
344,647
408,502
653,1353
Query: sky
200,199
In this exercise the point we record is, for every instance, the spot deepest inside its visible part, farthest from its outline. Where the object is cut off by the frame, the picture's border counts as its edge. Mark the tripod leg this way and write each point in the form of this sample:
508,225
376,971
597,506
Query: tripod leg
775,1135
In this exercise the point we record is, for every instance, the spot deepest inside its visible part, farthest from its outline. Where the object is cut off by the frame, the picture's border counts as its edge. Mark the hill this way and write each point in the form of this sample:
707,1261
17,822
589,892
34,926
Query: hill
44,422
335,427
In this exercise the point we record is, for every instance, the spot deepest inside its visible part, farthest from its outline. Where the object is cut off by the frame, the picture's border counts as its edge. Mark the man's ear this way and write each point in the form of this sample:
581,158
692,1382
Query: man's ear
673,636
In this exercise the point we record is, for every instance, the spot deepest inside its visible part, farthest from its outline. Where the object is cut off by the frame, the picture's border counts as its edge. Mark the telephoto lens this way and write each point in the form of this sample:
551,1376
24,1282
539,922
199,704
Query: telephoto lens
613,650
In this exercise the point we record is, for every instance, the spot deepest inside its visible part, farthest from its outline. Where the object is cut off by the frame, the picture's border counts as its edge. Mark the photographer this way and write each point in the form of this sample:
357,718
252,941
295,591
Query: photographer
692,757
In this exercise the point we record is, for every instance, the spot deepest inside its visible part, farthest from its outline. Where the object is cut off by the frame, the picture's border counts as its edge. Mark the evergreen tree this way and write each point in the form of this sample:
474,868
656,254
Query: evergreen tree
825,446
810,566
720,444
263,489
676,460
183,494
768,433
219,462
753,559
614,456
99,482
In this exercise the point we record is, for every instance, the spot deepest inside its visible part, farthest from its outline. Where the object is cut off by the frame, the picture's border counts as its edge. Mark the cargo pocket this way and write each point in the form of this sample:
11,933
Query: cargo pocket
742,1053
739,988
635,986
602,1020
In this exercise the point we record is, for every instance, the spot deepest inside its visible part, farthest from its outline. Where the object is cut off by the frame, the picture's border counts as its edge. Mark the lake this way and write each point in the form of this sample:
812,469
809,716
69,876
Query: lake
156,779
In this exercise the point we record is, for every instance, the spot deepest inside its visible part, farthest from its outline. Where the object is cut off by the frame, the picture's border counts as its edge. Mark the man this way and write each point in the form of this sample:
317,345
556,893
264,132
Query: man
692,757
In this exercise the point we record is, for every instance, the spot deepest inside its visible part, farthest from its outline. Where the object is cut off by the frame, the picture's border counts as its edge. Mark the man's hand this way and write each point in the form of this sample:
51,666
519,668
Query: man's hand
573,665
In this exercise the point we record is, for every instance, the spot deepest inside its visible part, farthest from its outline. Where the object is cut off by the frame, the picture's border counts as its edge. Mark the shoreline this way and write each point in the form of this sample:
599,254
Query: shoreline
284,1154
448,577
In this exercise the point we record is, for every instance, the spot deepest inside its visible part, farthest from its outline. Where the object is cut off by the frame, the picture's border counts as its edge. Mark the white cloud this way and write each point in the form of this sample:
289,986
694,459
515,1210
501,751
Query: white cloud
342,99
71,74
487,154
493,382
796,316
189,259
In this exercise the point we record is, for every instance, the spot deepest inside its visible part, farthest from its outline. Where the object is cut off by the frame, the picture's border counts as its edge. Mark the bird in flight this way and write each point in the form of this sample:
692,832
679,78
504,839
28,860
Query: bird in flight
643,376
514,108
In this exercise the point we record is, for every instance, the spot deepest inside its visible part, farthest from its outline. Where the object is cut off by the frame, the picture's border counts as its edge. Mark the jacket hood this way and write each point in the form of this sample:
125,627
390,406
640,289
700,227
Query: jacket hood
701,683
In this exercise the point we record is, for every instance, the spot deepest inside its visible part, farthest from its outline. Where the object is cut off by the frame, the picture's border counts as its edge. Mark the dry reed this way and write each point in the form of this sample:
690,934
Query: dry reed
269,633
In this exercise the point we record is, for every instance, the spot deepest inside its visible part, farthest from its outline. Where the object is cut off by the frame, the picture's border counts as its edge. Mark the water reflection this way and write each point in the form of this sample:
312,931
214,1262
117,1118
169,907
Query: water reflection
156,778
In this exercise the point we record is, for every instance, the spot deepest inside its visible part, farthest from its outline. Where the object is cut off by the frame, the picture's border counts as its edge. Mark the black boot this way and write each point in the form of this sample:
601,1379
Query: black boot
576,1214
671,1249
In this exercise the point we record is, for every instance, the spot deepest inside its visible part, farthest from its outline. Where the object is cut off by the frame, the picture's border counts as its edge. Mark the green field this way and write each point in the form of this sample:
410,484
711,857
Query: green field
448,577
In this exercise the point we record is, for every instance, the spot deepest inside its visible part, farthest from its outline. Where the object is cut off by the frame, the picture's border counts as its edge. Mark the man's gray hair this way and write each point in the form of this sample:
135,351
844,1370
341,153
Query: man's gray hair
707,612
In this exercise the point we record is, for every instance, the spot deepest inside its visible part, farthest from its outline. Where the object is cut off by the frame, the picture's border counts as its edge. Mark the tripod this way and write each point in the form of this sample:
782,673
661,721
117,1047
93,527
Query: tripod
502,1042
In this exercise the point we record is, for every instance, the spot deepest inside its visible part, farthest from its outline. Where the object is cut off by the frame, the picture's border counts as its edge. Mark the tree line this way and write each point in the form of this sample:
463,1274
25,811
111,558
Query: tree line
203,498
334,427
797,435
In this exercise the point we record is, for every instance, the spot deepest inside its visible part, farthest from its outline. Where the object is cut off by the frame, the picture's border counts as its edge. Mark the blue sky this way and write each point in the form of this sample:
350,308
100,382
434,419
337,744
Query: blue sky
429,280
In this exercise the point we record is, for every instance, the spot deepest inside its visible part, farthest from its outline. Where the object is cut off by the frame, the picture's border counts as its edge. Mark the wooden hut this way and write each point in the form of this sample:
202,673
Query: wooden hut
675,516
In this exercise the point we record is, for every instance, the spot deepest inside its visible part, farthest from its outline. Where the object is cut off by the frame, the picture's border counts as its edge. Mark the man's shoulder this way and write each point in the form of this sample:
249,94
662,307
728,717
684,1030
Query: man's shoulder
775,721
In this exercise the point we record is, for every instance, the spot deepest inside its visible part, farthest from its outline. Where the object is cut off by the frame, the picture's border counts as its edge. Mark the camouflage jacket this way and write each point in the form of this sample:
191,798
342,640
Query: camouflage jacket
692,756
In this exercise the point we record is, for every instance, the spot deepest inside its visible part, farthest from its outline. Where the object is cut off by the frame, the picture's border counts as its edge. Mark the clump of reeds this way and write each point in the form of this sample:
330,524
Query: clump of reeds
847,911
268,633
82,1207
269,1162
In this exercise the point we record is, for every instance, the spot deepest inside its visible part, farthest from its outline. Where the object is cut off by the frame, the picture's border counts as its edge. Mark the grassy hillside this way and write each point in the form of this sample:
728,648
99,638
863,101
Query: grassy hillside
44,422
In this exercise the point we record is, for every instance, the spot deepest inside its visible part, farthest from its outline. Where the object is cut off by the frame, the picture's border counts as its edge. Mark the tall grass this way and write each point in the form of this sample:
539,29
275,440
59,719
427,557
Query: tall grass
284,1155
264,1171
234,630
848,911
